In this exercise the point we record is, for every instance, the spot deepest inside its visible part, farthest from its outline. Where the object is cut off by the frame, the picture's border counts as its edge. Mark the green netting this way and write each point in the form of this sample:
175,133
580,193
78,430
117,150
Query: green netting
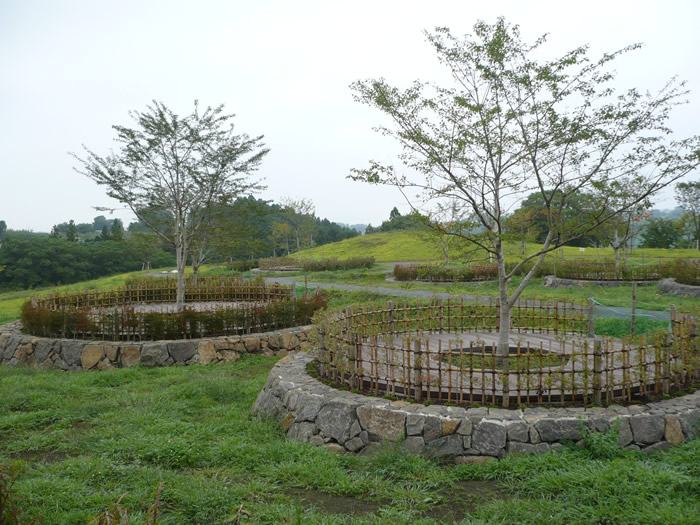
621,312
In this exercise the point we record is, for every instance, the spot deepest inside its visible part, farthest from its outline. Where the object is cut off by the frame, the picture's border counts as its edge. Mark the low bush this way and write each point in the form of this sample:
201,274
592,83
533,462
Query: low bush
275,263
242,265
431,273
684,271
334,264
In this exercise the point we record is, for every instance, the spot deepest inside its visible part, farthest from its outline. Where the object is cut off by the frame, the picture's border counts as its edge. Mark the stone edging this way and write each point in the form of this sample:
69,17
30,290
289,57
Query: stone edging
345,422
552,281
18,349
671,287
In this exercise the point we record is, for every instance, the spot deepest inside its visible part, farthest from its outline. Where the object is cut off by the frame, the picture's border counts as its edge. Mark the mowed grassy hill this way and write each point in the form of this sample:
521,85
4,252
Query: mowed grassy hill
421,246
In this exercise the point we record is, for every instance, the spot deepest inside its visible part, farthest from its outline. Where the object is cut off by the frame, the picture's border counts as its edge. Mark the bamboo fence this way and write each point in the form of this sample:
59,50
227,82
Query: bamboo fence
446,352
216,307
148,291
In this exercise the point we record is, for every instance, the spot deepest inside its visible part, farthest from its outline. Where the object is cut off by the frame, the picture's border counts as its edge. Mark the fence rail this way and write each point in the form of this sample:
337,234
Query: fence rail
447,352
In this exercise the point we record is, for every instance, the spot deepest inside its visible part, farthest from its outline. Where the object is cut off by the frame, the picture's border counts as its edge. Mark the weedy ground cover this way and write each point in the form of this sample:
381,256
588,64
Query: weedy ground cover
78,442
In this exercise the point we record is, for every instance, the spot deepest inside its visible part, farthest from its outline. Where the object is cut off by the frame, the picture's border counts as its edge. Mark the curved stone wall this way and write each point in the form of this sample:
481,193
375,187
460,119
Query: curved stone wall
345,422
18,349
552,281
671,287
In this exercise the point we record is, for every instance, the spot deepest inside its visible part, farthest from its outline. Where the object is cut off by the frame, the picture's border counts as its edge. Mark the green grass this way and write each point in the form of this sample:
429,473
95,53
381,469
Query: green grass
417,246
78,442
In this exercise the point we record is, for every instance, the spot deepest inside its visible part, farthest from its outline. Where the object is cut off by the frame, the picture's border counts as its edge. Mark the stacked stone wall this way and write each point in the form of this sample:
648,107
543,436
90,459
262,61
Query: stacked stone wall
17,349
671,287
346,422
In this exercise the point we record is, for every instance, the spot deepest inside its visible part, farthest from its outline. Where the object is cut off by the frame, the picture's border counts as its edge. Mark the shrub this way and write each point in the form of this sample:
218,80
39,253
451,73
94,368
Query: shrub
274,263
684,271
435,273
242,265
334,264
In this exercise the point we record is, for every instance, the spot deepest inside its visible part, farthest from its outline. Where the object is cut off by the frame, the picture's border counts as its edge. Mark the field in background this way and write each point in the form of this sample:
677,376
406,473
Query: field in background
414,246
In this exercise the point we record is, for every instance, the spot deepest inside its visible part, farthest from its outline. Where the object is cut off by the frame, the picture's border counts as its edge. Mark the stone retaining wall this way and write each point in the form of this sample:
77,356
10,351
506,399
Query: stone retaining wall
17,349
671,287
552,281
345,422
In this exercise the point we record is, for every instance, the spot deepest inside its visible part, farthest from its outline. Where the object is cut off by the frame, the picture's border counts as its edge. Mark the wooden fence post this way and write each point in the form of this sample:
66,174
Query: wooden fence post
597,372
666,365
634,307
417,380
322,347
441,315
591,322
390,316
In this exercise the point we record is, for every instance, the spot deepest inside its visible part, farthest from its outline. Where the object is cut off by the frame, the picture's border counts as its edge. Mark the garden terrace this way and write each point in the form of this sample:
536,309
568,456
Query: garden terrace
144,311
446,352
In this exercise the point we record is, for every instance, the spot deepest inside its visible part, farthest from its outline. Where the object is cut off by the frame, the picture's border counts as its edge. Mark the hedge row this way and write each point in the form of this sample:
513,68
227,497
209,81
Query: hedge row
686,271
334,264
475,272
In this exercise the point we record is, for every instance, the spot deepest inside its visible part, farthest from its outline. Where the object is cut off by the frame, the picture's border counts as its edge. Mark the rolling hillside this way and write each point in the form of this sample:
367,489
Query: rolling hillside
417,246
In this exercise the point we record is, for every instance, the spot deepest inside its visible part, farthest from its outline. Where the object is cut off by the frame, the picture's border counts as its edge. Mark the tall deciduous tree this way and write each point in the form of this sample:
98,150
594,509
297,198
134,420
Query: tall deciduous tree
181,166
688,196
510,124
299,215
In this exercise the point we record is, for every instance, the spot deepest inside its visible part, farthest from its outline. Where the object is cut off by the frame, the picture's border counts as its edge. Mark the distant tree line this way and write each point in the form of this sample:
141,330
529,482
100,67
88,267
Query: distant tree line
35,260
244,229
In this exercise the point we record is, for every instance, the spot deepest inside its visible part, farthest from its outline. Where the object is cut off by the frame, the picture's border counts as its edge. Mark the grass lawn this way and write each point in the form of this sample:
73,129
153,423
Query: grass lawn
78,442
418,246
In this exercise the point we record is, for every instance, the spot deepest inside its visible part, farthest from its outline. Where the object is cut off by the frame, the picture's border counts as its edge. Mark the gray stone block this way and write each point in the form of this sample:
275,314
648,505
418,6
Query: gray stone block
647,429
465,428
70,352
690,423
526,448
301,431
182,351
414,445
269,405
382,423
43,347
354,444
661,445
517,431
625,437
414,424
154,354
559,429
451,445
489,437
432,428
336,418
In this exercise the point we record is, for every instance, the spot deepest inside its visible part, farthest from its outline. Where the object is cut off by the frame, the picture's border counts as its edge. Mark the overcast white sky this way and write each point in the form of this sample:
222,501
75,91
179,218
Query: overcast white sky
73,68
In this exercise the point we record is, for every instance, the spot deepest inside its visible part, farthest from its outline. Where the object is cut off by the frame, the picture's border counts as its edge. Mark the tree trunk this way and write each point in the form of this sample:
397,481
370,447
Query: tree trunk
195,273
503,347
181,259
616,249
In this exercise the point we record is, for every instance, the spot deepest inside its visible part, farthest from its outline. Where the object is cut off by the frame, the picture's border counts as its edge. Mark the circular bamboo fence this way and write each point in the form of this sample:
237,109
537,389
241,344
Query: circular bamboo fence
446,352
145,311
